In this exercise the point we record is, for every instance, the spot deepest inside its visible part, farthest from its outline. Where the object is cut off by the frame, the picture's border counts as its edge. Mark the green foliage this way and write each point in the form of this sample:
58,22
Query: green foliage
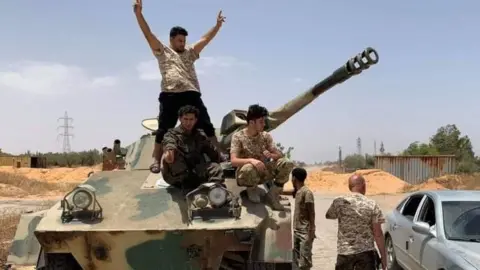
417,148
288,154
448,141
356,161
72,159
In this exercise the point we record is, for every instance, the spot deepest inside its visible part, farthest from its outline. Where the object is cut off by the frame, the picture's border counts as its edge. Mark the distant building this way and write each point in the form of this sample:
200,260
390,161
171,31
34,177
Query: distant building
23,161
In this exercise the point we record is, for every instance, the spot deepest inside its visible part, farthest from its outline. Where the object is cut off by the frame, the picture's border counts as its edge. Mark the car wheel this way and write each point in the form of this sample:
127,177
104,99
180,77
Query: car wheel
392,263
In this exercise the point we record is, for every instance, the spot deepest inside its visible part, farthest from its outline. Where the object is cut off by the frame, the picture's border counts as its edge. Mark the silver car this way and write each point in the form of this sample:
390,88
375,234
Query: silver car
434,230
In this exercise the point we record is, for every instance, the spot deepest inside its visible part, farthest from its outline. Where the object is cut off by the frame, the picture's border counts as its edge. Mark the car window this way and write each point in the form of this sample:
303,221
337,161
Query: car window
411,206
400,205
461,220
427,214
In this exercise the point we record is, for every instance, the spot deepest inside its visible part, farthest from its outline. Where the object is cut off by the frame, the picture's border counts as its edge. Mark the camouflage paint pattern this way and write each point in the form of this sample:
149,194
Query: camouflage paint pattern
141,220
355,213
249,176
144,224
302,253
178,70
25,247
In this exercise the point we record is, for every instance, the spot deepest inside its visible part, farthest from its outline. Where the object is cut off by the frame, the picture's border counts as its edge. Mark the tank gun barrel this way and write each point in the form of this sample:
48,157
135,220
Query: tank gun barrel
352,67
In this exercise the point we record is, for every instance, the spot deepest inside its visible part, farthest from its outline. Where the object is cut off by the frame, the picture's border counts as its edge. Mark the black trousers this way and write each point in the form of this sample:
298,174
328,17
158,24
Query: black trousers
361,261
170,103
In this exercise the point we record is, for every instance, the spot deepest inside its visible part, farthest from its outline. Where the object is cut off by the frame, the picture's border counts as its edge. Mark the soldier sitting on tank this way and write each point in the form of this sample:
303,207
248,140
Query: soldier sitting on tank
257,159
183,161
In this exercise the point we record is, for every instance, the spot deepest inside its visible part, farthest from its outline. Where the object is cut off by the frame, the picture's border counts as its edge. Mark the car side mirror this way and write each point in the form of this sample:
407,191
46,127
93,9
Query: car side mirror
422,228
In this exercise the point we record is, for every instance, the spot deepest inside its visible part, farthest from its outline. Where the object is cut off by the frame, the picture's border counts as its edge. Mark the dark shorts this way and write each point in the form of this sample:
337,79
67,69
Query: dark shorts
170,103
361,261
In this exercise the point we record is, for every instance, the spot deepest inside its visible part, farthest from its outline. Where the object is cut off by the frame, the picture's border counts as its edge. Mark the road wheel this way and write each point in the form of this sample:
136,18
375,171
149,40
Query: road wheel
392,263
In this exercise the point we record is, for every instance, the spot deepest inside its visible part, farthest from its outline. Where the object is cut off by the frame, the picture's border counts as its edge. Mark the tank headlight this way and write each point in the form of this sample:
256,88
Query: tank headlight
82,199
217,196
200,200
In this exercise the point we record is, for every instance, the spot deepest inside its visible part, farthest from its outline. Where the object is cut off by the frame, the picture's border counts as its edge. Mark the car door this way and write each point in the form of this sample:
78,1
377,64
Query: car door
421,246
401,231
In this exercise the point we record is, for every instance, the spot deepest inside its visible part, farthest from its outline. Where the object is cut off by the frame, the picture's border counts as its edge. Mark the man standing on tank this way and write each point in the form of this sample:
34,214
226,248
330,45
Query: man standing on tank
257,159
179,84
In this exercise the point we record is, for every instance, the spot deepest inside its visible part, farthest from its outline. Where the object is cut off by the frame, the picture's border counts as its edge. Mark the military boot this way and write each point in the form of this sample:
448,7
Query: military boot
253,195
273,196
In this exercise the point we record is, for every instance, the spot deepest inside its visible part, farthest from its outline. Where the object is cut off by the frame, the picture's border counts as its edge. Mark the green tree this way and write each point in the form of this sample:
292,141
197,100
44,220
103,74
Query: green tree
448,140
417,148
287,153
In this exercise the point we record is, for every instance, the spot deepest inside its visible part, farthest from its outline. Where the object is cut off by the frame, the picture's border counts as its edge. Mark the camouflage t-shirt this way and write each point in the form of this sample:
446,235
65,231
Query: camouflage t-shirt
356,214
245,146
178,70
301,215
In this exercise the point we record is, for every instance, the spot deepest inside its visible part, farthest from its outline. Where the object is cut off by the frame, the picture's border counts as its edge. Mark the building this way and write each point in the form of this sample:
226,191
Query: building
23,161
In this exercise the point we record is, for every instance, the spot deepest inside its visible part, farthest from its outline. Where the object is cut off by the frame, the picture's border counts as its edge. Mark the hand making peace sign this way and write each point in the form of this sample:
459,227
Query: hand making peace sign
220,18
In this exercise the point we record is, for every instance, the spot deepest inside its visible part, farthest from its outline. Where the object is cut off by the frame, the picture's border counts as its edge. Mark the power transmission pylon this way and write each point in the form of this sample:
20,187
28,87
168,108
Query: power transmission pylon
66,132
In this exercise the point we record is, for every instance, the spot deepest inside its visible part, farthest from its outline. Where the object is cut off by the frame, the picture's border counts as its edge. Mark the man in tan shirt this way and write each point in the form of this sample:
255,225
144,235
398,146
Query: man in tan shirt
303,219
359,227
257,159
179,86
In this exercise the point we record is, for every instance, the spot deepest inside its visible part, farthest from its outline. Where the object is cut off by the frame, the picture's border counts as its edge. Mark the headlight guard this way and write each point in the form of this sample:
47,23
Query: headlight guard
212,200
81,204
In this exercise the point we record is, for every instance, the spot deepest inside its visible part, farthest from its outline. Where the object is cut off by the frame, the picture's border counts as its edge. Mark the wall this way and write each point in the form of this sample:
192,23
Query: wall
23,161
416,169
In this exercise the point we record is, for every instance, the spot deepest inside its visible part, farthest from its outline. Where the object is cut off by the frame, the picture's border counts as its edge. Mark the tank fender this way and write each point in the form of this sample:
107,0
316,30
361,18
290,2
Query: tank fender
25,247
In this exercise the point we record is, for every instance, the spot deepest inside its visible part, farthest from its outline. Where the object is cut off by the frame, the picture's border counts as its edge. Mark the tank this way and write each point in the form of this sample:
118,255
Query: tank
125,217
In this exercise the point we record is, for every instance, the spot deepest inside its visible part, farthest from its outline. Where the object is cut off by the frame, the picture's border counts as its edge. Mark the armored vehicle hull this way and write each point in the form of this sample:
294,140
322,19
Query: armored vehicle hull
128,218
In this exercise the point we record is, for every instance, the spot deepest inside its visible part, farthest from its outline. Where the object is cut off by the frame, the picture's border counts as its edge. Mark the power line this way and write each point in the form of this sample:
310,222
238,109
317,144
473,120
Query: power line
66,132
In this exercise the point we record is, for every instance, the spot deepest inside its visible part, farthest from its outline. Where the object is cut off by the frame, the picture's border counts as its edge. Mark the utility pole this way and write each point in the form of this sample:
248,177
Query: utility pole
359,146
66,132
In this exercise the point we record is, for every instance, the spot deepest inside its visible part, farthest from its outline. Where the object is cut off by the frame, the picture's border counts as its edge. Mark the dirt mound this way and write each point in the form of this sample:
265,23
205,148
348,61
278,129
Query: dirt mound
19,186
460,181
9,190
378,182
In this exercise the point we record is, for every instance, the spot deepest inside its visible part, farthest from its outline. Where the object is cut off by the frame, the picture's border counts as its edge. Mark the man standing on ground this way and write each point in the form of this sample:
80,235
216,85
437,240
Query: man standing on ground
303,219
184,146
359,225
180,84
257,159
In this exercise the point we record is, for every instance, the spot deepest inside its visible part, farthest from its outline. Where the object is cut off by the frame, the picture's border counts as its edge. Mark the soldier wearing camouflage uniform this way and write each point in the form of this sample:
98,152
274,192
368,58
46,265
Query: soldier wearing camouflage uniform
179,84
257,159
303,219
184,164
359,225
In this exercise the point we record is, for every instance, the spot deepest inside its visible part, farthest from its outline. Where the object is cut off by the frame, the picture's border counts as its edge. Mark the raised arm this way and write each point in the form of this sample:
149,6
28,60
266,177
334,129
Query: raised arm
153,42
200,45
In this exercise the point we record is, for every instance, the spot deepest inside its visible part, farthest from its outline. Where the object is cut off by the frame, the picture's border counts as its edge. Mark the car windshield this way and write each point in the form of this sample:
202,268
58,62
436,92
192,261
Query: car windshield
461,220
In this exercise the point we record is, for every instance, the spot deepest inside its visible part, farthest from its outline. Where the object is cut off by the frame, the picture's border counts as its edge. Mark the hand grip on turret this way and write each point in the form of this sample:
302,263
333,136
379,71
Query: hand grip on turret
362,61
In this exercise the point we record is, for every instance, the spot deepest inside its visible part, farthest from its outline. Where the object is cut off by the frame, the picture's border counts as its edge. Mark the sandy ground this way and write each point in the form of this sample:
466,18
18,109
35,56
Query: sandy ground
26,189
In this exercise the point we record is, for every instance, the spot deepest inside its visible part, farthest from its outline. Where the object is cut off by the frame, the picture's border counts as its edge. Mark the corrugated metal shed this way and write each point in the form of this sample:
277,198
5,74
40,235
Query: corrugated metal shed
416,169
23,161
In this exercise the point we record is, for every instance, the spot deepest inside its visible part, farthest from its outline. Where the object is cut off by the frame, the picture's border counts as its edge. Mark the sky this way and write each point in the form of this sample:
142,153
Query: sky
90,59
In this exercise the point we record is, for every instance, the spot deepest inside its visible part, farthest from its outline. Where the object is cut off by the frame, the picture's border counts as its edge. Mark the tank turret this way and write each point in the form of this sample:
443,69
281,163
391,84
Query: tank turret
236,119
